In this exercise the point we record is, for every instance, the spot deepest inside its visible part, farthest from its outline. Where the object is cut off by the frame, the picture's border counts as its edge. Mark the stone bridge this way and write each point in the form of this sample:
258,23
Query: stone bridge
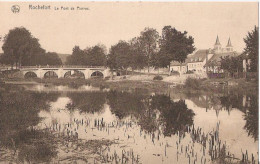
62,71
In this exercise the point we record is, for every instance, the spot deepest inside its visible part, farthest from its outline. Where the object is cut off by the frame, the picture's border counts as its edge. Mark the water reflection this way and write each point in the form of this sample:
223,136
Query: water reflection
175,116
89,102
19,114
251,116
247,104
115,126
123,104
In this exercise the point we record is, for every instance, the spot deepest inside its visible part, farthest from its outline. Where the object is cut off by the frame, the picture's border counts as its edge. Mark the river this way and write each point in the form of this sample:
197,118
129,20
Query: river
59,124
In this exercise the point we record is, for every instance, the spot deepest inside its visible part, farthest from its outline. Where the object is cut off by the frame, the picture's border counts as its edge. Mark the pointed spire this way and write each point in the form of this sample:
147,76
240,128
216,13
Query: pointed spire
217,41
229,43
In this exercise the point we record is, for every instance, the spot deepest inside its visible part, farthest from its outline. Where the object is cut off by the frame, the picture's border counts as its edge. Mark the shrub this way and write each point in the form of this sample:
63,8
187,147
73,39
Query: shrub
192,83
175,73
189,72
158,77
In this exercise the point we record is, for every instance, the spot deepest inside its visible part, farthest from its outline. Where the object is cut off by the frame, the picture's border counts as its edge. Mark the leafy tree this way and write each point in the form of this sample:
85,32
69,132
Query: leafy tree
20,47
77,57
111,60
175,45
50,58
251,48
8,58
119,57
139,59
159,60
95,56
92,56
231,64
149,41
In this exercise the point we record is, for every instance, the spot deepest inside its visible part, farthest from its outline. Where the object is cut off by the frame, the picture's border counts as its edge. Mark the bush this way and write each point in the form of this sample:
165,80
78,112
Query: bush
175,73
189,72
158,77
192,83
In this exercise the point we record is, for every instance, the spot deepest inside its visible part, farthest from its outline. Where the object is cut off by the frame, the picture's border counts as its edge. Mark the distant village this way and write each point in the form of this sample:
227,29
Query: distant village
205,61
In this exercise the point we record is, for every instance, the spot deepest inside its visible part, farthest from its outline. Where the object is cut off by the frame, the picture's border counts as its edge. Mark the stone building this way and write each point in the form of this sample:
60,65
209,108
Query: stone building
205,60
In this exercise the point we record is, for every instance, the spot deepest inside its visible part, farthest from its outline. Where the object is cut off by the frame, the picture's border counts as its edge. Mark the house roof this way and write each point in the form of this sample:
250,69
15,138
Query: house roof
198,56
216,58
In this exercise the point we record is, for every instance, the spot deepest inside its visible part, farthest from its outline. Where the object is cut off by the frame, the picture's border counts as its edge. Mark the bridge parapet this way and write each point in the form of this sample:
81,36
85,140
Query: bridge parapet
63,66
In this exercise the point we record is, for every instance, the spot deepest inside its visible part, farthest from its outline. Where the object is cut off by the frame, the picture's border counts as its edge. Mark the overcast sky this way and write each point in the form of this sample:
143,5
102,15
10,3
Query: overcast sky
107,22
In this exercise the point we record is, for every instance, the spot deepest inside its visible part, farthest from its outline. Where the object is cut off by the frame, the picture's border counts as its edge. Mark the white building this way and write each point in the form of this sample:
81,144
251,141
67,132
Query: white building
194,63
204,60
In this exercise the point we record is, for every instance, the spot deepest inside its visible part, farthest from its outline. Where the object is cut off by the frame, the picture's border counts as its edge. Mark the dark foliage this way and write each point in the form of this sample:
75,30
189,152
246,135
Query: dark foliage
157,77
21,48
251,48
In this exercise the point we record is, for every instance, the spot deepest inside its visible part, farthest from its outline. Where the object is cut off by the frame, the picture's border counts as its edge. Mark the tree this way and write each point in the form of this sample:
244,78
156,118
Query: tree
7,58
159,60
50,58
95,56
175,45
77,57
251,49
139,59
231,64
91,56
20,47
149,41
119,57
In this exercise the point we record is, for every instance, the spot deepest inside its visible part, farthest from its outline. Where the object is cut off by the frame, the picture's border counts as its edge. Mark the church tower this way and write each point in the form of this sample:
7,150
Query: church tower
229,46
217,46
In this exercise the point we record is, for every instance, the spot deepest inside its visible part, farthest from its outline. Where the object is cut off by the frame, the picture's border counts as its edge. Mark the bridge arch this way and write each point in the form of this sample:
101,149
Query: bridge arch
50,74
97,74
30,74
74,74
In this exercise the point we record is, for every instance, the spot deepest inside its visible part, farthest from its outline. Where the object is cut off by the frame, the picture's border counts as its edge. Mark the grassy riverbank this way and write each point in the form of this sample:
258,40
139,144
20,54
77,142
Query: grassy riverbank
145,82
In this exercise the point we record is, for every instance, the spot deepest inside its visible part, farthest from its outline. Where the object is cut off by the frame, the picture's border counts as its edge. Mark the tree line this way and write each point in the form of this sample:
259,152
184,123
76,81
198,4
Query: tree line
146,50
151,49
91,56
22,49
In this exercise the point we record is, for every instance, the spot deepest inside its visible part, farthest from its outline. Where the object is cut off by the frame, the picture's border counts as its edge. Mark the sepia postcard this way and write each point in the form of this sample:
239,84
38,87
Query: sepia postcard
129,82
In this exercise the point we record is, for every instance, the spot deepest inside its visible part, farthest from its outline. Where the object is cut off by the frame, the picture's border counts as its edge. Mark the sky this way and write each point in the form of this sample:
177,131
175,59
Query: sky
108,22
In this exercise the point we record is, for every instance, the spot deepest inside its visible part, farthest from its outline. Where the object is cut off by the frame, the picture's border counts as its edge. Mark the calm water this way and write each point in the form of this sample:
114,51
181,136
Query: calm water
58,124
